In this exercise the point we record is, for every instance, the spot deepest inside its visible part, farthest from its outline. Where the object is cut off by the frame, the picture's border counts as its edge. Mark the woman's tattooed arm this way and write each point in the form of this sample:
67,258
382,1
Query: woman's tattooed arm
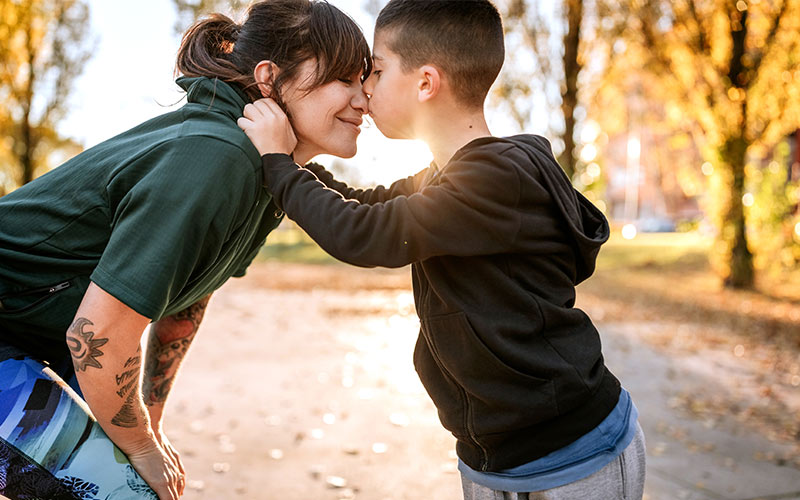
85,350
128,390
83,346
169,340
104,342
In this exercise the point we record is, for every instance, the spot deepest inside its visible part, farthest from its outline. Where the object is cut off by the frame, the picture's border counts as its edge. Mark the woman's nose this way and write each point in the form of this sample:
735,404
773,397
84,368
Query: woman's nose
360,101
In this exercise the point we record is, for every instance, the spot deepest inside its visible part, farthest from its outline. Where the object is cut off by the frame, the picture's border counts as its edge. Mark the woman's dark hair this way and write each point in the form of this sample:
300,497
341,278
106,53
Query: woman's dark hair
286,32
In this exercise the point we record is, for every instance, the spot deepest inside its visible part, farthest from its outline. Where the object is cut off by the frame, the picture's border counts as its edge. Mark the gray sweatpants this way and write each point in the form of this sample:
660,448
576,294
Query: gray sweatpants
622,479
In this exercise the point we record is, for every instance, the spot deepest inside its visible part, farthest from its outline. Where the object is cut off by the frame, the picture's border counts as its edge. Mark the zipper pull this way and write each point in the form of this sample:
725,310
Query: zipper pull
59,287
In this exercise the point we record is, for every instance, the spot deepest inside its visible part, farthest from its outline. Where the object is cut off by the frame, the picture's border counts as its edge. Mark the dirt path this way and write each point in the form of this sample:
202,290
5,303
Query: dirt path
301,386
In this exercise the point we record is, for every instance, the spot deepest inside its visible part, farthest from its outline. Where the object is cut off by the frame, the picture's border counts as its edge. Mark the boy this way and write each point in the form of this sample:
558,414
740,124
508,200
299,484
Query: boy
498,239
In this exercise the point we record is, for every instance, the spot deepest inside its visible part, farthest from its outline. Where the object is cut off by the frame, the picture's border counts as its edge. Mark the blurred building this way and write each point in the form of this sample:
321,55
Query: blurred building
653,179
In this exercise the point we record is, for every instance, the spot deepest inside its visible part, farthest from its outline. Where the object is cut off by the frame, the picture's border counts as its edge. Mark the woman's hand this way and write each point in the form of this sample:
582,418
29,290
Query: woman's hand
268,127
170,450
159,470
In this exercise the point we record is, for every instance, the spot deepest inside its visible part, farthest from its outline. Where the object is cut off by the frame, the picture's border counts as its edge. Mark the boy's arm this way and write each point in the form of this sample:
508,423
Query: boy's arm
472,211
402,187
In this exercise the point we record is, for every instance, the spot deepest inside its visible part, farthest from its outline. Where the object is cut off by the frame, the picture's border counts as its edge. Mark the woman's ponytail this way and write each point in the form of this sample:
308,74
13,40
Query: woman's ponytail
205,49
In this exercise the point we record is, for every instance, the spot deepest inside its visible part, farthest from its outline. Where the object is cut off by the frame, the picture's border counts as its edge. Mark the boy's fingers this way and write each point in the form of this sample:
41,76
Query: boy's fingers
273,106
244,123
260,105
263,108
268,107
248,111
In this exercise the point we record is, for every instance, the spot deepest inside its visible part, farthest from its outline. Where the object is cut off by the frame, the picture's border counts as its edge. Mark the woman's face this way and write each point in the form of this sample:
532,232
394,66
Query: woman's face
326,120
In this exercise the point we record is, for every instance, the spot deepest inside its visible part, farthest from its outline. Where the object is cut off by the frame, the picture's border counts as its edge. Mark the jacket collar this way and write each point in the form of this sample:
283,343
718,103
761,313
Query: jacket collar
214,93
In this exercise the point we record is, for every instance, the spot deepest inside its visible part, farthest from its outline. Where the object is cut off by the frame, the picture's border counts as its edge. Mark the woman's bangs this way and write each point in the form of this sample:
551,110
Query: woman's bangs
342,51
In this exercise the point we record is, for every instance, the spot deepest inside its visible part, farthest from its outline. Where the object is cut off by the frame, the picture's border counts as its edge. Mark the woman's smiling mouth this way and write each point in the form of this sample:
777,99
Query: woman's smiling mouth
354,122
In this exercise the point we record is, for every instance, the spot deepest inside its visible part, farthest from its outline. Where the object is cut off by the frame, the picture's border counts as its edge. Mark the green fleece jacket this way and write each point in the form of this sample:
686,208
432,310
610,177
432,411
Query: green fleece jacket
158,216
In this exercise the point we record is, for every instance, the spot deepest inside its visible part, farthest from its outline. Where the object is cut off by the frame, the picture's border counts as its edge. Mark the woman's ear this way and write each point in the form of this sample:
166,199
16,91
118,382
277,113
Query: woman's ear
265,74
429,83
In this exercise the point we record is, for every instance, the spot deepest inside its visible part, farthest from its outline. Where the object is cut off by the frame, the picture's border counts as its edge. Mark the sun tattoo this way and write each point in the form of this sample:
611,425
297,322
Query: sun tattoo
85,349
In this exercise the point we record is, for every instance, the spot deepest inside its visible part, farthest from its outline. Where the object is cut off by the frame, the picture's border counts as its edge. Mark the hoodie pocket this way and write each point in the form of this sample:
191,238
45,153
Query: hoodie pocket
499,397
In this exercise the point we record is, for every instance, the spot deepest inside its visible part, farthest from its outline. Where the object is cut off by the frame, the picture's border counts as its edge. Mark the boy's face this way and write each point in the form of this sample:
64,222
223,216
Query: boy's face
393,91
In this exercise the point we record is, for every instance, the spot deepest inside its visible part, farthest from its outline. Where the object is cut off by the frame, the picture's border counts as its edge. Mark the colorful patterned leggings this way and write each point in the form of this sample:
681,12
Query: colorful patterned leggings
51,446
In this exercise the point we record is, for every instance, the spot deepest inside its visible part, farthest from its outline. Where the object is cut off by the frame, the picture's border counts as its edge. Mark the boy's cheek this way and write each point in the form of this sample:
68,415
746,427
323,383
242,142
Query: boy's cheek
377,101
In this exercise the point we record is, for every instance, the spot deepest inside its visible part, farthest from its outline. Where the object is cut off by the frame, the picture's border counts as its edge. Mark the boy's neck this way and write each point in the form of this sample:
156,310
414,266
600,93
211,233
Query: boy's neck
446,133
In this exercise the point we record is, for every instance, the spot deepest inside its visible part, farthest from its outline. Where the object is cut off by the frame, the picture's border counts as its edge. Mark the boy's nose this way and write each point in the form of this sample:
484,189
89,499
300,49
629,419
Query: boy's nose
367,86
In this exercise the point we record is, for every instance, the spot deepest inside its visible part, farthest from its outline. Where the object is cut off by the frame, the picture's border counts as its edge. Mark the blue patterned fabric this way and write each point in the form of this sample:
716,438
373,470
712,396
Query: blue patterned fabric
50,444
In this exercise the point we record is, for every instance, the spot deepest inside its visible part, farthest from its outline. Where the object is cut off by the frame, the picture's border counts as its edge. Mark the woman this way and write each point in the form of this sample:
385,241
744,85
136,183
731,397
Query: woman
143,228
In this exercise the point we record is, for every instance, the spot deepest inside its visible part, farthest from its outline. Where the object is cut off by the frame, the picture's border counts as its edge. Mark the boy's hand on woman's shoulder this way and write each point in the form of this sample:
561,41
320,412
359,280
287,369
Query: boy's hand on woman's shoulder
268,127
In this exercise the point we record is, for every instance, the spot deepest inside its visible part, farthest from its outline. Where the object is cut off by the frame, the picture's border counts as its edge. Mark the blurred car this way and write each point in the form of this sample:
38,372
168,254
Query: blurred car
655,225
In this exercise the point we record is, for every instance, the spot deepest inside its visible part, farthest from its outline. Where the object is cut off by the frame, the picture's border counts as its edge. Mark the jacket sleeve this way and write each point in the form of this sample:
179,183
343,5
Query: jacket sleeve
379,194
470,211
170,221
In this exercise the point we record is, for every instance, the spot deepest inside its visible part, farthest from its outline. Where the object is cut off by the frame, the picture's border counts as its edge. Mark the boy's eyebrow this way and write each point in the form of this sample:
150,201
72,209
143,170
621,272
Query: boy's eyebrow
374,57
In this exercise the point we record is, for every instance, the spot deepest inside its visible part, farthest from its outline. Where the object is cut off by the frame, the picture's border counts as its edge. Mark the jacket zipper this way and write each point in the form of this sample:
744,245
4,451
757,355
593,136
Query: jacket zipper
468,410
471,432
47,290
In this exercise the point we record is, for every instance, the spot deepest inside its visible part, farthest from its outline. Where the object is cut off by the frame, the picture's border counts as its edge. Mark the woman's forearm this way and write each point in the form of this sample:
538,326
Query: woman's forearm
168,341
104,343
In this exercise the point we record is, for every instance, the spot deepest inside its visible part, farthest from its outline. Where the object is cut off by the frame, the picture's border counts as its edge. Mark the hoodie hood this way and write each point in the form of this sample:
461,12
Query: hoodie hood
585,222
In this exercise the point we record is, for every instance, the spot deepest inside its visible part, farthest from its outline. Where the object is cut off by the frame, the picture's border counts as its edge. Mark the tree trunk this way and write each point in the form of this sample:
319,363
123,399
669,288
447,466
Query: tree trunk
569,94
26,156
734,229
734,153
26,133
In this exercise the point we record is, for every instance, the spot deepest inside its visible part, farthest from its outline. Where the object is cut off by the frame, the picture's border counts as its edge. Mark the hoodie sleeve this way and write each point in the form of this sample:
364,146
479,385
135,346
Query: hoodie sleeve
470,211
379,194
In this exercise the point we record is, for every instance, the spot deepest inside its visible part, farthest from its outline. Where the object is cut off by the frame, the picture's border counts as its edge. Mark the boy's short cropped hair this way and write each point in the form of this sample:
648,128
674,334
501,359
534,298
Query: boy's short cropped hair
463,38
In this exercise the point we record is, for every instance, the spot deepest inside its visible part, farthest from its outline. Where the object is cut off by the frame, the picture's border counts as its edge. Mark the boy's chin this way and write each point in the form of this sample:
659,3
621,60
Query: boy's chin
391,133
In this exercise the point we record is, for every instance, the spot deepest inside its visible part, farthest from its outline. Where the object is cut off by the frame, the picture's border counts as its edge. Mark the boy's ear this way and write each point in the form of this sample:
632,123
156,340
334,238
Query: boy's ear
429,83
265,73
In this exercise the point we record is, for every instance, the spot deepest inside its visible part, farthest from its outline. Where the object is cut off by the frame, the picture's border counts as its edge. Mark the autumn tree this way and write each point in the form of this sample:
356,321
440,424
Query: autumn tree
43,48
733,68
557,45
191,10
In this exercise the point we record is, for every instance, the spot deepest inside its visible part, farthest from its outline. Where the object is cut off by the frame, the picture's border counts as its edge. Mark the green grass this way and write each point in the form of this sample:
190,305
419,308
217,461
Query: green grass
655,250
289,243
654,254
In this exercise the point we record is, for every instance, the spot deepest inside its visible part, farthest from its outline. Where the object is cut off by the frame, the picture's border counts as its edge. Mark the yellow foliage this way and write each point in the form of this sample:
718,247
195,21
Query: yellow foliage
41,52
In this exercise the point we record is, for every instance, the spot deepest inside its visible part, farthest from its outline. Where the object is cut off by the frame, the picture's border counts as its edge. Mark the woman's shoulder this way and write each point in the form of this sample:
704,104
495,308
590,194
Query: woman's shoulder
218,128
